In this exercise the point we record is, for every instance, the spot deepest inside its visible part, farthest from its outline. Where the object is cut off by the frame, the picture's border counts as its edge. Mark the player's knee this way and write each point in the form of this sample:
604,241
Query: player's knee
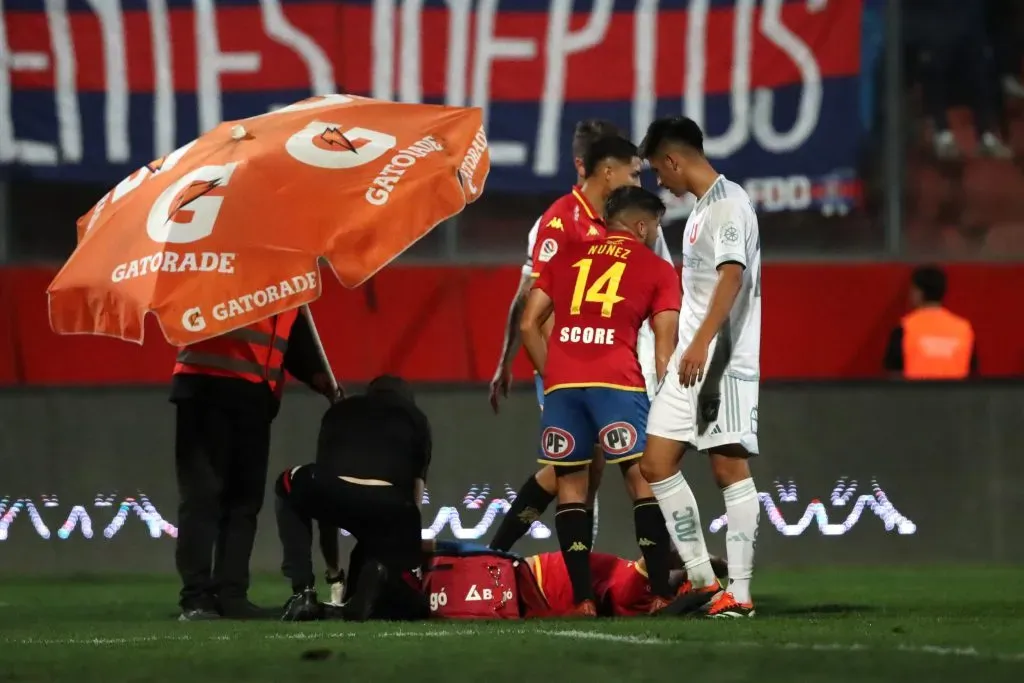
729,464
651,470
547,479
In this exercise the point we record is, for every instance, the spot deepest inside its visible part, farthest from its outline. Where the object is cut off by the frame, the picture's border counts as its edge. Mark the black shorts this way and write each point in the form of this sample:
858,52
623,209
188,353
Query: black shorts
383,519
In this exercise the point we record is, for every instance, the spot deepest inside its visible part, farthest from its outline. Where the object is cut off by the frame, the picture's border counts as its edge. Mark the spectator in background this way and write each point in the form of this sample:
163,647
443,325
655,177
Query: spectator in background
955,46
931,342
1004,22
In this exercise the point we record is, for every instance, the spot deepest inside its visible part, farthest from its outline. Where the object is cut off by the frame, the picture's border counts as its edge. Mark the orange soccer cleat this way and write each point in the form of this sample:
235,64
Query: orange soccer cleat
689,599
725,606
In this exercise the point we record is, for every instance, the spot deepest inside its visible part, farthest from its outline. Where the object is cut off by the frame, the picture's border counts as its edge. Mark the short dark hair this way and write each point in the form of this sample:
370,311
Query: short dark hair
676,129
390,384
588,131
931,281
613,147
631,197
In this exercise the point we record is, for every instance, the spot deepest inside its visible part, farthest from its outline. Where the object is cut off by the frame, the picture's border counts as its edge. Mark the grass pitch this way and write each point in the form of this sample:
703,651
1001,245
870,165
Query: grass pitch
869,626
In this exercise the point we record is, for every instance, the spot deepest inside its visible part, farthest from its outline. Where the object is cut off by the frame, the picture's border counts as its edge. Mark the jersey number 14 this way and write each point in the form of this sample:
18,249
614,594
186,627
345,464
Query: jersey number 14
604,290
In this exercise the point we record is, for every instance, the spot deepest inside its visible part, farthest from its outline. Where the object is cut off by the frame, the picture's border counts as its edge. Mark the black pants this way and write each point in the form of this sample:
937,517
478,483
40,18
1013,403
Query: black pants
384,521
960,57
221,457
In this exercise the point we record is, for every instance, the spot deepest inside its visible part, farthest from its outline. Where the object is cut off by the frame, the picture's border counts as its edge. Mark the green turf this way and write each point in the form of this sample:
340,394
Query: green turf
870,626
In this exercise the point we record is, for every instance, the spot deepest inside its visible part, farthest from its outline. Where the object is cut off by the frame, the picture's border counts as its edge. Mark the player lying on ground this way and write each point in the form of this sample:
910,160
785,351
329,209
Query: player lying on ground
600,293
621,587
709,398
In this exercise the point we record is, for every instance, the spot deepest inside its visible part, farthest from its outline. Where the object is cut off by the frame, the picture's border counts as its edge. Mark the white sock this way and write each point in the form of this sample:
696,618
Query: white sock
683,520
744,512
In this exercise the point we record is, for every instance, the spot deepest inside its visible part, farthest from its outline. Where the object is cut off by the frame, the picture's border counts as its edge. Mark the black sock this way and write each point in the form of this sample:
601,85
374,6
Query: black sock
529,505
573,537
655,544
590,525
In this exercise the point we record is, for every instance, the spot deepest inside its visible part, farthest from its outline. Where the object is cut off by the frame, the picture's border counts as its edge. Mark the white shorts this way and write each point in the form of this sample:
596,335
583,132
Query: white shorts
702,417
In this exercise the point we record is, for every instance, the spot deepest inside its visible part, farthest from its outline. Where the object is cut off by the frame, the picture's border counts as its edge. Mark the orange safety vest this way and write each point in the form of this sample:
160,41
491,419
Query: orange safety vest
254,353
937,344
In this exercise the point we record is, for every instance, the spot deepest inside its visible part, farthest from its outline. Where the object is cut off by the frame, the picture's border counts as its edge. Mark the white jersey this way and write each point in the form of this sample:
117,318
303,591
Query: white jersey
645,339
530,241
723,228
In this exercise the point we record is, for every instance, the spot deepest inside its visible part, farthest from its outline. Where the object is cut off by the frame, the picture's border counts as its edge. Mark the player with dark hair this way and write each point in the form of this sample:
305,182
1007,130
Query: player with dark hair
709,398
600,293
373,454
586,132
573,217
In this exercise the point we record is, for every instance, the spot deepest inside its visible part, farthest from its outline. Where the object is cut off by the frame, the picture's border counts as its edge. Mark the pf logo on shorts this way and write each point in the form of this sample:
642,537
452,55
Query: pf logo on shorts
618,438
557,443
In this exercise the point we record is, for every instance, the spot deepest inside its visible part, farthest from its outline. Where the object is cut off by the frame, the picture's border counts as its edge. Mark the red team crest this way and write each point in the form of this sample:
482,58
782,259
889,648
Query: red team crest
558,443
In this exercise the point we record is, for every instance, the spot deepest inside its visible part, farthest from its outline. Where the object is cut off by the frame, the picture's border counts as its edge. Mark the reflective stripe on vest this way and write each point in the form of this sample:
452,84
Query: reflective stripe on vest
937,344
254,353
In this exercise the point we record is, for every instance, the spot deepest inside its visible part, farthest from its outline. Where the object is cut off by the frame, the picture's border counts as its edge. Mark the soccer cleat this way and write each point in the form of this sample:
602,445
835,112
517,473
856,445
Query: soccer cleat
725,606
585,609
303,606
690,599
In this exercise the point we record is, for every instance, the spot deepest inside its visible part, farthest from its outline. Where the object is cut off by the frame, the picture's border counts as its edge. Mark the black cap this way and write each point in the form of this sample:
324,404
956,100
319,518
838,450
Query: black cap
390,384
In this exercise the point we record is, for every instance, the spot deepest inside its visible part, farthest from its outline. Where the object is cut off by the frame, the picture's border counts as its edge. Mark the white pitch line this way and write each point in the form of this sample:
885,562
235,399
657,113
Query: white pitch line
574,634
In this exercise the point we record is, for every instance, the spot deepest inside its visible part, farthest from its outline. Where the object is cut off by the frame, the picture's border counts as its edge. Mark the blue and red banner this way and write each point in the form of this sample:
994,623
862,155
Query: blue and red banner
95,89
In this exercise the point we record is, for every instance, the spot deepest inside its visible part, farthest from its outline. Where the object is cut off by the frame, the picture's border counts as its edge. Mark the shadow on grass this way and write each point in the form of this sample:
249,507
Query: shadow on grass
783,607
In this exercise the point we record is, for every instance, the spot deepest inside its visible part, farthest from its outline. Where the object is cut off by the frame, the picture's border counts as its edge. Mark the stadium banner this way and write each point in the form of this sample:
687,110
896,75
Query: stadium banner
97,90
867,475
444,325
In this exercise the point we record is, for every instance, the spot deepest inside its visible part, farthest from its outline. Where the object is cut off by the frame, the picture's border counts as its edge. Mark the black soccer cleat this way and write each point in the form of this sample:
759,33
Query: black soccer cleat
690,600
303,606
359,606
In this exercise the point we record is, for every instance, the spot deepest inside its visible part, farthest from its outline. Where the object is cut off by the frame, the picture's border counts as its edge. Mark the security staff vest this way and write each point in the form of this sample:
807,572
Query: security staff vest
937,344
254,353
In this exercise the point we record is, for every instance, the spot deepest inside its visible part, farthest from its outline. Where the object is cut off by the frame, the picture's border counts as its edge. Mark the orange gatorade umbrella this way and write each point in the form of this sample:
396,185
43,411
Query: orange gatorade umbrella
230,228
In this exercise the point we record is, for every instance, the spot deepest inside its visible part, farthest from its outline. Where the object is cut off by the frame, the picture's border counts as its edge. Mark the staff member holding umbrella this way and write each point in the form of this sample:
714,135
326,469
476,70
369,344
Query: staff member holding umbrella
227,391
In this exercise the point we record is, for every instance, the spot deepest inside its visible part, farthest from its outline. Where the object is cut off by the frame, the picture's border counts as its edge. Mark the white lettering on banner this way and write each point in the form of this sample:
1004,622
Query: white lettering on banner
562,42
247,303
744,123
330,145
190,195
587,335
474,43
384,184
780,194
211,63
472,159
116,75
175,262
164,115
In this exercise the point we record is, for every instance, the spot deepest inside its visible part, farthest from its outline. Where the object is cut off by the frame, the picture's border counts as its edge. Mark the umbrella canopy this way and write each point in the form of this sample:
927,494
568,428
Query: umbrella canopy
233,227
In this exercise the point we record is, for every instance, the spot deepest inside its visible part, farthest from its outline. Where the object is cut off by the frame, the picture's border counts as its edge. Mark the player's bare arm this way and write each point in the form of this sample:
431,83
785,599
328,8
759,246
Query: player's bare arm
502,380
665,325
539,307
695,358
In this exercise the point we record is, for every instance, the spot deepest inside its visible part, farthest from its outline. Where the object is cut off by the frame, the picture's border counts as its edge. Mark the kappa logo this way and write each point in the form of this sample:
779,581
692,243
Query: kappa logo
593,232
192,192
548,249
557,443
555,224
193,320
618,438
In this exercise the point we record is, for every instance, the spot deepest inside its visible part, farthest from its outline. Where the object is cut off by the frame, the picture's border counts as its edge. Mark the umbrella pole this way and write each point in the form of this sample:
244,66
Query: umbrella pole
320,347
